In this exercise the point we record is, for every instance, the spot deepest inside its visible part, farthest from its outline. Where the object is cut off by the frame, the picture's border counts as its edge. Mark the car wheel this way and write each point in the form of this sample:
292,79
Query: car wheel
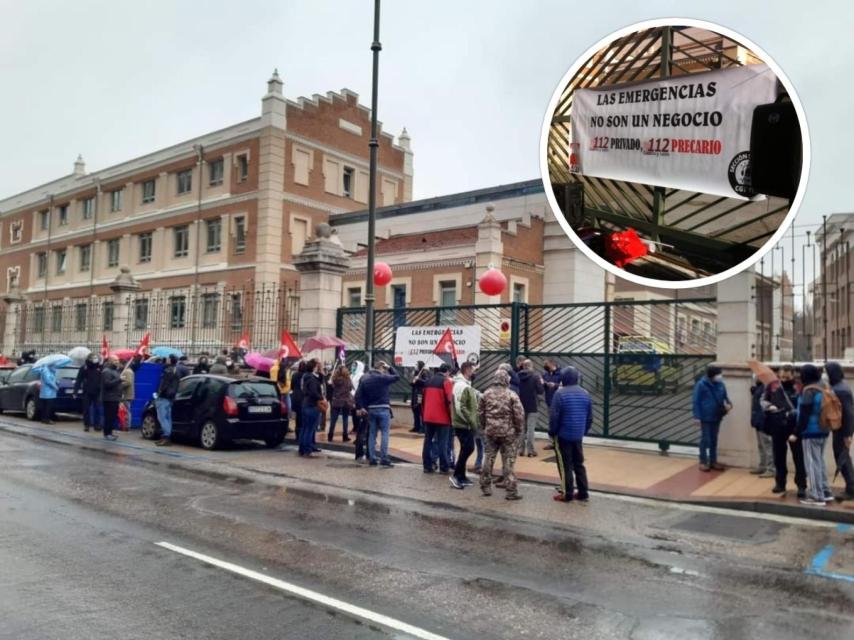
149,429
209,436
275,440
31,409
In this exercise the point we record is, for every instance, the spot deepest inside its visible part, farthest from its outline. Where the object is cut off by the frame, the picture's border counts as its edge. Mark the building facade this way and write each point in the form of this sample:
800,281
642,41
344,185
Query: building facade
224,212
831,290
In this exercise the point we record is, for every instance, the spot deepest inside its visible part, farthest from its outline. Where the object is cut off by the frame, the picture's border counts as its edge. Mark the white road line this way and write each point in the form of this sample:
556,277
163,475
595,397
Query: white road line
307,594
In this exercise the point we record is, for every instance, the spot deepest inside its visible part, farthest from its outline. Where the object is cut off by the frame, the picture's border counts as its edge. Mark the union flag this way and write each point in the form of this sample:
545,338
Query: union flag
105,347
287,347
243,343
142,348
446,350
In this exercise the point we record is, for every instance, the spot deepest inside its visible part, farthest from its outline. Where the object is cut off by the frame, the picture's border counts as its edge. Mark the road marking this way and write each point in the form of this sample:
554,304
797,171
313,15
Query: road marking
820,560
307,594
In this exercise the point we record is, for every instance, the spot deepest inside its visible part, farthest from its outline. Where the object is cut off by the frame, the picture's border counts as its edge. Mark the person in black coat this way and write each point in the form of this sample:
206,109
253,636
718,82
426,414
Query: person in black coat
530,388
841,438
419,377
111,395
87,386
296,397
779,402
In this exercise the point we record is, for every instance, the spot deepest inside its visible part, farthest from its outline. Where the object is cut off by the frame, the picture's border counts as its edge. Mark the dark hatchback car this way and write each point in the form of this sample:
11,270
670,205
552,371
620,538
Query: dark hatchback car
214,410
20,392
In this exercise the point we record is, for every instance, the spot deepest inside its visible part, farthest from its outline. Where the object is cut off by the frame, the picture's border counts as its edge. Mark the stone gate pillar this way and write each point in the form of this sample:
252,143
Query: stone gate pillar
122,286
14,300
321,265
736,343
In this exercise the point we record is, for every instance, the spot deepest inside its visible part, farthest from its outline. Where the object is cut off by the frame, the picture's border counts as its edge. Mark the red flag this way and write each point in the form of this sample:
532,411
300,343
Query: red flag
243,343
624,247
287,347
105,347
446,350
142,348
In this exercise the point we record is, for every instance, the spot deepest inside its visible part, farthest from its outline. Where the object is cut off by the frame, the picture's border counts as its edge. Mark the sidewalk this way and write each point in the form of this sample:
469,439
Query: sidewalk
641,473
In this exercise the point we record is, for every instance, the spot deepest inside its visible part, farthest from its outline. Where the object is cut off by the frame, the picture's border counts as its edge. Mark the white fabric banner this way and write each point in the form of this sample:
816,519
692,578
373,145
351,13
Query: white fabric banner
690,132
412,344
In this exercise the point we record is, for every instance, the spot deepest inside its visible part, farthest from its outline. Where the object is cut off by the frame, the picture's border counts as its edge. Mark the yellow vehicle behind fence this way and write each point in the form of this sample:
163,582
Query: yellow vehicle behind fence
644,365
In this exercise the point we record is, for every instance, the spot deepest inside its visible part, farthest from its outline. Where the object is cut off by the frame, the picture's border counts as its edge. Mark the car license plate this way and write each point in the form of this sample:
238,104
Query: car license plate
261,409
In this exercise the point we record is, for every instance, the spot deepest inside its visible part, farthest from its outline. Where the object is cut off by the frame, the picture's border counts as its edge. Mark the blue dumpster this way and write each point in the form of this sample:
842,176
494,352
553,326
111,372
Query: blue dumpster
146,381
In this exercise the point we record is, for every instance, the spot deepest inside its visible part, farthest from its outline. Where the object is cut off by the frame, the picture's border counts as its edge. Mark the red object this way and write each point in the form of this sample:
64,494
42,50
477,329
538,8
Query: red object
142,348
284,406
243,343
623,247
322,342
382,274
123,354
287,347
492,282
123,418
105,347
438,396
229,405
445,349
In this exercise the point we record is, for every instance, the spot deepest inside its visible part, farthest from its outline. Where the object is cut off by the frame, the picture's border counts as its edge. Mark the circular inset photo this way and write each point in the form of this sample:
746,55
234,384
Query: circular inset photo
675,153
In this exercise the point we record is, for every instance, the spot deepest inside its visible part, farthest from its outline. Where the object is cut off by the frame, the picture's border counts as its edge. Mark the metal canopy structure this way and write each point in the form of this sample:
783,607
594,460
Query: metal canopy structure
708,233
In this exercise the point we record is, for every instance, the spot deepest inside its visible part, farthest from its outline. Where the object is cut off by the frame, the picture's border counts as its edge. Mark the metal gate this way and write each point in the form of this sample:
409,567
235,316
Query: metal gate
638,359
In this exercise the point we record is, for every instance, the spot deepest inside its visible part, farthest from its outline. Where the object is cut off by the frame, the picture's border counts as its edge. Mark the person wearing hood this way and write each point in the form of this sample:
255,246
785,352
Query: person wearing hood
530,388
202,366
219,367
710,404
514,376
778,402
501,419
841,438
570,419
47,393
111,395
87,385
813,436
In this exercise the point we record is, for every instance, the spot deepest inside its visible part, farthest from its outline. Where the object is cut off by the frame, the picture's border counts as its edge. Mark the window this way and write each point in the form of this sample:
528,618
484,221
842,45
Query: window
107,313
140,313
148,191
518,292
236,312
299,234
44,219
185,181
181,237
354,297
85,257
116,200
16,230
56,319
41,264
210,310
186,388
80,316
347,185
215,172
177,312
447,298
239,234
242,167
144,247
19,375
63,215
38,319
213,229
113,252
61,255
88,208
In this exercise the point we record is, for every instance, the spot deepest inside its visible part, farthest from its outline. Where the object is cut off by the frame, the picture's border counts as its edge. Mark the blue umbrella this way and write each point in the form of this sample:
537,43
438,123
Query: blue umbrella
54,361
165,352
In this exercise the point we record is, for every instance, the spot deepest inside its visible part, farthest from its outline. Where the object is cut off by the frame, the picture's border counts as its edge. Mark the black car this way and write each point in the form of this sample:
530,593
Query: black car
20,391
214,410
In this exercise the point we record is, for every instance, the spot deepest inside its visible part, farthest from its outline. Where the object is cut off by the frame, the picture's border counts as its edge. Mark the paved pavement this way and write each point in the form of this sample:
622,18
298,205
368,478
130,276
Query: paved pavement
80,526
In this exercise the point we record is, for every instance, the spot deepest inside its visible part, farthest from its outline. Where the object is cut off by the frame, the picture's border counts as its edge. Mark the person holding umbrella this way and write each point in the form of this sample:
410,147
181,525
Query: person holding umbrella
48,388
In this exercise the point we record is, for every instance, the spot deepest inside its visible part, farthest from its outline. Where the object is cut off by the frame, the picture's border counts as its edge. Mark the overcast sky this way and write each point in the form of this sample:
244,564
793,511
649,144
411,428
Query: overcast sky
470,80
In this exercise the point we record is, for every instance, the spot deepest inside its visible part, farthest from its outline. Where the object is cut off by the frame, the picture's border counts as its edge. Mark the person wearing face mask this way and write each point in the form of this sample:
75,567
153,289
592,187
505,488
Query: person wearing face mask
88,385
778,402
841,438
813,435
710,404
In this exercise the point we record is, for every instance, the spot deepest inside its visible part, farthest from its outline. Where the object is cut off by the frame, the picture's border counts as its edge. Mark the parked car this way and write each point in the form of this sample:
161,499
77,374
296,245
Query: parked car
20,391
213,410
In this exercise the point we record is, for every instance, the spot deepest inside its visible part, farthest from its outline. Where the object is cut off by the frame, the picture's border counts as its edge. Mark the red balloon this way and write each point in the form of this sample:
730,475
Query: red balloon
492,282
382,274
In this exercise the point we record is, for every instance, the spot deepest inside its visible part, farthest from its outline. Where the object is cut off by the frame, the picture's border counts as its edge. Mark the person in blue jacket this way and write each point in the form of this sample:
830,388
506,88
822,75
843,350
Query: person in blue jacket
47,393
812,436
570,419
711,404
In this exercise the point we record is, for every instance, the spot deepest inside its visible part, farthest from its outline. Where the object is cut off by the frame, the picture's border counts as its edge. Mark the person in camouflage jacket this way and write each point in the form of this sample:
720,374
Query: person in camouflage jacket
501,418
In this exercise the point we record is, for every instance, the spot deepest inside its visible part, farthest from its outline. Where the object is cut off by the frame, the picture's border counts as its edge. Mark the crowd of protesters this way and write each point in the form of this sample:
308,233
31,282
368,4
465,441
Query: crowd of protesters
794,412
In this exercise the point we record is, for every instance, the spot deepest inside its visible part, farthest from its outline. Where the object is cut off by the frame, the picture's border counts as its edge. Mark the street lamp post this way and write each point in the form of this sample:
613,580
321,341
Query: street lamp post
376,47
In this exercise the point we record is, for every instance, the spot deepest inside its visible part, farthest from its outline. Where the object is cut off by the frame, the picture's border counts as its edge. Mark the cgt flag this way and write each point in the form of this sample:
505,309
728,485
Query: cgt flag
142,348
105,347
287,347
446,350
243,343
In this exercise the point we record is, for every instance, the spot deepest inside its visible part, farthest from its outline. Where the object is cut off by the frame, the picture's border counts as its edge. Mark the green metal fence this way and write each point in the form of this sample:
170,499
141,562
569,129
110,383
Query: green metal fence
638,359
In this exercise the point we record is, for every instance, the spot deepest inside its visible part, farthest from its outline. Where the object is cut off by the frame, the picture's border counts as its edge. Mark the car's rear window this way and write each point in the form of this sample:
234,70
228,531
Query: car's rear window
252,390
66,374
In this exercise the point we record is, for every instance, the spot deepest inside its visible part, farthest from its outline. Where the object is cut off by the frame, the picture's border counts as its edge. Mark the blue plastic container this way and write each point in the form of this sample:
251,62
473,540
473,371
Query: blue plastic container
146,381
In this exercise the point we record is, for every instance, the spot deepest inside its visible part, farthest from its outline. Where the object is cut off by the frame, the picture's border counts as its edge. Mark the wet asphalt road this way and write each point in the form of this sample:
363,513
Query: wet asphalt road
79,560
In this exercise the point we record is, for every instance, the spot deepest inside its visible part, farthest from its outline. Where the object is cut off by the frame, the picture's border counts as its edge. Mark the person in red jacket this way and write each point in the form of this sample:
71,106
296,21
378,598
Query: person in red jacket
438,395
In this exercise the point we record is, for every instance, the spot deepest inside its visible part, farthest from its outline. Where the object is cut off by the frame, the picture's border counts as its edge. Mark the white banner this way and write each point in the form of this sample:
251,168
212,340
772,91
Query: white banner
412,344
691,132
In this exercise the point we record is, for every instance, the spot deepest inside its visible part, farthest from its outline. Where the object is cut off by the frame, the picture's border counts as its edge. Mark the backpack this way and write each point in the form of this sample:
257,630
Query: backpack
830,418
